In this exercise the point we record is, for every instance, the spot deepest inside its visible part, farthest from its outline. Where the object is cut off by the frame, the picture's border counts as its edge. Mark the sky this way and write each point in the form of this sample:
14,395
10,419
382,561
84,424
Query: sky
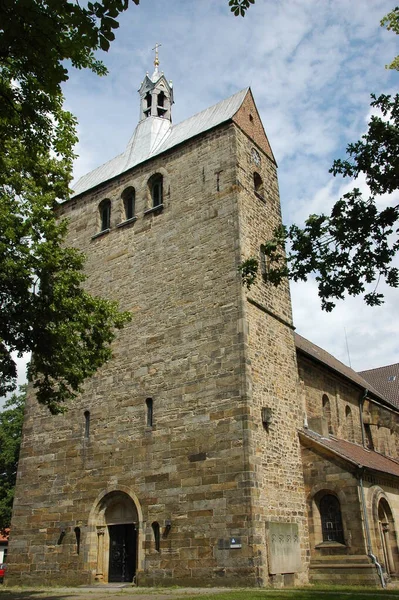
311,65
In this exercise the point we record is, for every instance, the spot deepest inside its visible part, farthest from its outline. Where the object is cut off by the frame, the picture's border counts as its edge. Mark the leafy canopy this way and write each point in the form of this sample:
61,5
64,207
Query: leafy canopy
11,419
44,309
352,248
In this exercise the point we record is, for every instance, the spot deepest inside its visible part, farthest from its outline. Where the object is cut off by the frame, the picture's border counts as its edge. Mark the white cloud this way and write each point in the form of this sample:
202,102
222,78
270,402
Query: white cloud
311,64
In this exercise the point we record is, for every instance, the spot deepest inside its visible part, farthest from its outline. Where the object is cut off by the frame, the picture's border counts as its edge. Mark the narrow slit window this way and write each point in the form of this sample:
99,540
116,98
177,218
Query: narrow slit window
77,536
87,424
157,535
150,412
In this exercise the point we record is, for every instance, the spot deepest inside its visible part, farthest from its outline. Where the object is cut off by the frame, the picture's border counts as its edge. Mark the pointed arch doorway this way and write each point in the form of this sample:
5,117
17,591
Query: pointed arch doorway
116,521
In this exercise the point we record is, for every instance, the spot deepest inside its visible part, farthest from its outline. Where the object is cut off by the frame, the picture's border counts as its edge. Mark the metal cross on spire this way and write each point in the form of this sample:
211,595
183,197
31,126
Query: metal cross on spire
156,61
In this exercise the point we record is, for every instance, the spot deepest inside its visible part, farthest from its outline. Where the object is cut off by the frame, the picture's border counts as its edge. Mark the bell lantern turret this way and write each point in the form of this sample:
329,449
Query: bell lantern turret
156,94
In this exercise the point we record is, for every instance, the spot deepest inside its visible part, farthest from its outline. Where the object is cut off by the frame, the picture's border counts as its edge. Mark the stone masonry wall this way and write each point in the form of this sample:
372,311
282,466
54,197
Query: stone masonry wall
176,271
382,423
277,480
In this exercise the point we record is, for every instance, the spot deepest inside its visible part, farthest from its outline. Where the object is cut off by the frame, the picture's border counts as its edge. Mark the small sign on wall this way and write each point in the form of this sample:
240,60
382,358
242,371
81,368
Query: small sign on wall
235,542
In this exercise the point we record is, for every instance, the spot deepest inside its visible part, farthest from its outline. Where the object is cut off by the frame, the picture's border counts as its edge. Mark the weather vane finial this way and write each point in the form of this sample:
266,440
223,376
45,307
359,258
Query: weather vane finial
156,61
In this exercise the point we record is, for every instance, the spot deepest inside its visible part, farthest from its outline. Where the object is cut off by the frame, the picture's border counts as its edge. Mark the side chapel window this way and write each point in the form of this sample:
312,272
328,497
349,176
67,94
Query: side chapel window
331,519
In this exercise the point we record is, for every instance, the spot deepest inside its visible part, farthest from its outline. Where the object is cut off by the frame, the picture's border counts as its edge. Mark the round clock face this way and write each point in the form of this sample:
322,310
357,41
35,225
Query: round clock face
255,157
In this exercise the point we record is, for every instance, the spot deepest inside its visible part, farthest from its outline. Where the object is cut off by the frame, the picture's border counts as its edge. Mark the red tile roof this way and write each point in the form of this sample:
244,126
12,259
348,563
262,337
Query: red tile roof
353,453
315,352
385,380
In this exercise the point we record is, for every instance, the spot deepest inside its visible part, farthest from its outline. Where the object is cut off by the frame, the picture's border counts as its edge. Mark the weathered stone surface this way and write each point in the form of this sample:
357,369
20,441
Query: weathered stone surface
170,492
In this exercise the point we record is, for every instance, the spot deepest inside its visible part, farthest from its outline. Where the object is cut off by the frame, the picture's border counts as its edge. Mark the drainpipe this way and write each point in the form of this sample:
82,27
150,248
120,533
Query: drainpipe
361,404
368,537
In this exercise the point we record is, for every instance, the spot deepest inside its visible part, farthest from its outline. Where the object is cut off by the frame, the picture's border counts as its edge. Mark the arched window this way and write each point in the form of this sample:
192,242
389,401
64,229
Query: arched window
327,412
161,99
129,202
105,215
350,432
331,519
87,424
258,184
156,189
147,104
157,535
150,412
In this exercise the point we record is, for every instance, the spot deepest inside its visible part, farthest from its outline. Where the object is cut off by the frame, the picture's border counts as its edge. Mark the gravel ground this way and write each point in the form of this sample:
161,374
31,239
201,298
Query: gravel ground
103,593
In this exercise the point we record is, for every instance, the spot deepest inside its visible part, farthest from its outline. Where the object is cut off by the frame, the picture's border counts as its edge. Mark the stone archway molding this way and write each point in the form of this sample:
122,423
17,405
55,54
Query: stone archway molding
98,538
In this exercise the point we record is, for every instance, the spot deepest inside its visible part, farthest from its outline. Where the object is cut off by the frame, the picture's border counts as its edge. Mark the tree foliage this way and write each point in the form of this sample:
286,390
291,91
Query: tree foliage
11,419
44,309
350,250
240,7
391,22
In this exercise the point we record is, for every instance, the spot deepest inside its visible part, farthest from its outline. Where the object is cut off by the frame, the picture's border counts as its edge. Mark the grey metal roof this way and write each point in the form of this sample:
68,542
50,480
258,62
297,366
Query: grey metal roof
155,135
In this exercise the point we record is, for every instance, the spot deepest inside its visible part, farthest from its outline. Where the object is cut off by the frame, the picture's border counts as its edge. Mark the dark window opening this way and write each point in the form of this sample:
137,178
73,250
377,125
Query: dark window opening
161,99
156,190
105,215
77,536
87,424
331,519
160,104
148,99
129,201
157,535
150,412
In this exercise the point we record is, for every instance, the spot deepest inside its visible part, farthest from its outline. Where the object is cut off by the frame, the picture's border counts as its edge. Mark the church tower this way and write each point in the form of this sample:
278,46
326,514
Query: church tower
179,463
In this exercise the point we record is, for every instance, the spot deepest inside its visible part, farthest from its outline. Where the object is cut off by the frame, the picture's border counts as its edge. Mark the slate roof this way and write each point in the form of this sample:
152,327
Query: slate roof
315,352
155,135
385,380
353,453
